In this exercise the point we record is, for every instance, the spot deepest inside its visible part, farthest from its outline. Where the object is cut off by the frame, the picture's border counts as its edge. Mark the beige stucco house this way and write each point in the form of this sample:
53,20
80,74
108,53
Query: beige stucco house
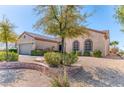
95,40
29,41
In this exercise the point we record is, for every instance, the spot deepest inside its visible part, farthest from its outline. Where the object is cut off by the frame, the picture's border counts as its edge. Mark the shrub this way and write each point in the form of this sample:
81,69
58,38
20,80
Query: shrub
79,53
52,58
55,58
69,58
12,56
60,81
97,53
121,52
13,50
38,52
86,53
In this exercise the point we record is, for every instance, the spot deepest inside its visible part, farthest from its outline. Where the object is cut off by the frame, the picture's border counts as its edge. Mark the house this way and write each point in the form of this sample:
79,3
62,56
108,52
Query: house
96,40
29,41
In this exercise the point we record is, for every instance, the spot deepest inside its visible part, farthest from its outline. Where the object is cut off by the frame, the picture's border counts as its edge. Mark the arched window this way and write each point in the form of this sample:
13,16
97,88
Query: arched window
88,45
76,46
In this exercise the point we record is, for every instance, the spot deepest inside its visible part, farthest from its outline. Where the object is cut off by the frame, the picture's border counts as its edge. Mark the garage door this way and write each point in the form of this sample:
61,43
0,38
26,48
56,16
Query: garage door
25,49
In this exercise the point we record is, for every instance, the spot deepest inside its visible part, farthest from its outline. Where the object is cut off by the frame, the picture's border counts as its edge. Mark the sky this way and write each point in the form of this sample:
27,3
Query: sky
23,17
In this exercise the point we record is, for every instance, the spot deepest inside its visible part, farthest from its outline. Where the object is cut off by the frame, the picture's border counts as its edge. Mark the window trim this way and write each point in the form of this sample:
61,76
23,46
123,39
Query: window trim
88,47
76,45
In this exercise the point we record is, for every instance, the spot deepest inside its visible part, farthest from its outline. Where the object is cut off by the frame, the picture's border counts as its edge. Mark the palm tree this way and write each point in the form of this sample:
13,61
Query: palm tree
7,33
114,44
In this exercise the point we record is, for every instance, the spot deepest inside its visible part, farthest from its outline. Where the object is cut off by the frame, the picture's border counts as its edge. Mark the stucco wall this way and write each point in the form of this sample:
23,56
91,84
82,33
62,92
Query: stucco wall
28,39
46,44
37,44
98,39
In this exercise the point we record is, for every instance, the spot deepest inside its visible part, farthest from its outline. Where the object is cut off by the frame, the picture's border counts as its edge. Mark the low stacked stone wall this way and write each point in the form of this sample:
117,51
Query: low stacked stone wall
21,65
72,70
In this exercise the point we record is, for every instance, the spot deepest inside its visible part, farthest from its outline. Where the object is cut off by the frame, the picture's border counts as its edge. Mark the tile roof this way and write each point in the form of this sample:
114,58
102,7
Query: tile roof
41,37
56,40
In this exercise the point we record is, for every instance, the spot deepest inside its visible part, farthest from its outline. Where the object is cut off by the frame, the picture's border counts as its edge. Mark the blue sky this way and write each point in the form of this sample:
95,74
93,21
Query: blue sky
102,19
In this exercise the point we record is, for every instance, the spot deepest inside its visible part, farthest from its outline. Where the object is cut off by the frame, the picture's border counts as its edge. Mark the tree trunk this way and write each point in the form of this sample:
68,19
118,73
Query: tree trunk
62,51
63,45
7,51
6,41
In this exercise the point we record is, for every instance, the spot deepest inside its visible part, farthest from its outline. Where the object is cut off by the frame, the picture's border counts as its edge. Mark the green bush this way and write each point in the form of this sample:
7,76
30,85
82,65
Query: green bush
121,52
13,50
60,81
38,52
55,58
86,53
52,58
12,56
97,53
79,53
69,58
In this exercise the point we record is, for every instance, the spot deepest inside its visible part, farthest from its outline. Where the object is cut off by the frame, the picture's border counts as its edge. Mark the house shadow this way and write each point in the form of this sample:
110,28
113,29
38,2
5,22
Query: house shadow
105,77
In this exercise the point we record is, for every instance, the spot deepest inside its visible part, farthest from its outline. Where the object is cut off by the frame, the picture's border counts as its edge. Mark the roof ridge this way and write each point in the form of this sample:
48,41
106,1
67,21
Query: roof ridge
99,31
38,34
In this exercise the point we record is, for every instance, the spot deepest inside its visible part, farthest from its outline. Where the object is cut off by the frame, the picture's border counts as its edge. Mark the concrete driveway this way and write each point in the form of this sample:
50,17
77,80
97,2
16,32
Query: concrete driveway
28,58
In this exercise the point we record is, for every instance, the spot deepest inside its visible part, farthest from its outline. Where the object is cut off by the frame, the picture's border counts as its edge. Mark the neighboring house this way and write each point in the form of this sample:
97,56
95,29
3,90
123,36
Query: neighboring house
96,40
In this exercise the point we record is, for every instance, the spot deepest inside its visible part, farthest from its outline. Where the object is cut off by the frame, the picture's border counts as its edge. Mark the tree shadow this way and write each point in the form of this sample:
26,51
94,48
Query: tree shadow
111,77
105,77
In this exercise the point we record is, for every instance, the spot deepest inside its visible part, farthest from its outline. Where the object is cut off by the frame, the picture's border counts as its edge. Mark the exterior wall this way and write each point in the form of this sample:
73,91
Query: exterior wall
26,40
107,46
37,44
98,39
45,44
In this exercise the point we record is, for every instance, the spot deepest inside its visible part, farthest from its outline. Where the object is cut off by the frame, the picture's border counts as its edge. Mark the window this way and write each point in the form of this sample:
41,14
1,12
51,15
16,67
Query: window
76,46
88,45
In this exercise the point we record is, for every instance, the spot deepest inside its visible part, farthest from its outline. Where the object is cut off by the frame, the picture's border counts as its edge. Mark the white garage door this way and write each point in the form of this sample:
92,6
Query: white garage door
25,49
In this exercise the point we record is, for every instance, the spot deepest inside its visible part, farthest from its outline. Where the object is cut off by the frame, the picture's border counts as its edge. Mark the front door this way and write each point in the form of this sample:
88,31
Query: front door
60,48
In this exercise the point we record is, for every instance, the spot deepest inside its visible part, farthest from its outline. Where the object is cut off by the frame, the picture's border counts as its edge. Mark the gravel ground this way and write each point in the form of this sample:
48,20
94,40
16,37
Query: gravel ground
95,72
23,78
99,72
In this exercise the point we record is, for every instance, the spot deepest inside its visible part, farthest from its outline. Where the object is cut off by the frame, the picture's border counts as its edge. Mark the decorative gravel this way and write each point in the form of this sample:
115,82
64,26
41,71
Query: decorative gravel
88,72
23,78
99,72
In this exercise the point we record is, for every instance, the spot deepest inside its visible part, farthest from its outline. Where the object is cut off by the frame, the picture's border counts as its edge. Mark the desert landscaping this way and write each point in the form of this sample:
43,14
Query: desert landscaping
91,72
